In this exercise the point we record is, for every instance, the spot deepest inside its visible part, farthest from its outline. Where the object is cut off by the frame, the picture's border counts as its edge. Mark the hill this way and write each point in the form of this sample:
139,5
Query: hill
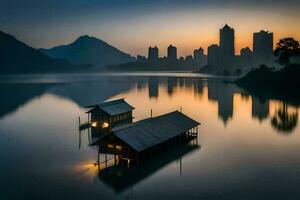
17,57
89,50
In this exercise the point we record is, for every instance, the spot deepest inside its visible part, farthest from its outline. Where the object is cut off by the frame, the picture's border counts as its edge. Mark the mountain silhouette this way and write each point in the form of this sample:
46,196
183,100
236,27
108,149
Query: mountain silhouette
17,57
89,50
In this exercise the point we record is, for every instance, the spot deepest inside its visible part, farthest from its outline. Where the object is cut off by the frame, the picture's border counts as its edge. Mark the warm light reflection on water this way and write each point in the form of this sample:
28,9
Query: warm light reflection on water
221,105
243,149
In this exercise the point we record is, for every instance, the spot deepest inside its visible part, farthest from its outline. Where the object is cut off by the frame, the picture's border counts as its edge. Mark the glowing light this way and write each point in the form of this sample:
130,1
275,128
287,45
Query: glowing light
119,148
88,169
105,125
94,124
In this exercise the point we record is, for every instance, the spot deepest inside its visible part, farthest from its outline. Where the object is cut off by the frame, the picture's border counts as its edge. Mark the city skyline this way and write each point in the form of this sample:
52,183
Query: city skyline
132,25
220,58
163,50
262,42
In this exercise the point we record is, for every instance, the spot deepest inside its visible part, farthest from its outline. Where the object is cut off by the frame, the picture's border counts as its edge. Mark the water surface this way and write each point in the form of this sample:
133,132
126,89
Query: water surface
247,146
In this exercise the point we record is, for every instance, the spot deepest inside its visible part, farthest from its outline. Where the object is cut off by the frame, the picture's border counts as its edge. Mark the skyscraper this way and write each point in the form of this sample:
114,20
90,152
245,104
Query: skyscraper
213,56
141,59
199,58
172,54
227,53
153,54
263,47
189,61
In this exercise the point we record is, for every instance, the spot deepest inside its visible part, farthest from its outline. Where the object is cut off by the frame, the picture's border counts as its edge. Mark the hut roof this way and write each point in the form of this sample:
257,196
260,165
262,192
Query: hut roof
152,131
113,107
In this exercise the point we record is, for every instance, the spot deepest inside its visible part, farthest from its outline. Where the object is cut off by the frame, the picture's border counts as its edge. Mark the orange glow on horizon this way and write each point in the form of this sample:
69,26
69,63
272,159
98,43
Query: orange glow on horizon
188,42
200,28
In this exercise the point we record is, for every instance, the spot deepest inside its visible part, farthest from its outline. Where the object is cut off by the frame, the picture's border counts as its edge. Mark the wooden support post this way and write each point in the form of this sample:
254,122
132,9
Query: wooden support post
79,139
98,158
106,156
115,155
89,135
180,169
151,113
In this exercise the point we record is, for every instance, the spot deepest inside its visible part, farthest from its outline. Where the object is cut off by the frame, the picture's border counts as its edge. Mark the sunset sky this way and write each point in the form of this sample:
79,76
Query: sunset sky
133,25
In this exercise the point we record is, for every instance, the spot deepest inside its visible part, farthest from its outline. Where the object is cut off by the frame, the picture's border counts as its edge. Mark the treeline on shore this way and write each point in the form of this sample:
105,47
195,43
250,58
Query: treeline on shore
276,82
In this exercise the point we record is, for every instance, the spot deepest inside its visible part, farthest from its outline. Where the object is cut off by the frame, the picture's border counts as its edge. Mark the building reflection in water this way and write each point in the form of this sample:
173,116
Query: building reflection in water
260,108
171,84
153,87
198,87
223,94
225,104
217,91
140,84
120,174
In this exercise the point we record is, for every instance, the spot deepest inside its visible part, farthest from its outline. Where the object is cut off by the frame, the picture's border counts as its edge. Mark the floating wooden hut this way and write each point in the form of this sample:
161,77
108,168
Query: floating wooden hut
139,140
113,131
109,114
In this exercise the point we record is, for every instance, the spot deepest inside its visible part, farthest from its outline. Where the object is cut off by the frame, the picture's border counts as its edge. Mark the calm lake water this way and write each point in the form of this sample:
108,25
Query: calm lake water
248,146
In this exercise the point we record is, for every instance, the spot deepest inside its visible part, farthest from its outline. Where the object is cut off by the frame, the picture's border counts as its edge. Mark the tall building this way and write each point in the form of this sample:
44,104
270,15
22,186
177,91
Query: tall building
227,53
263,47
141,59
189,61
172,54
213,56
199,58
153,54
246,51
